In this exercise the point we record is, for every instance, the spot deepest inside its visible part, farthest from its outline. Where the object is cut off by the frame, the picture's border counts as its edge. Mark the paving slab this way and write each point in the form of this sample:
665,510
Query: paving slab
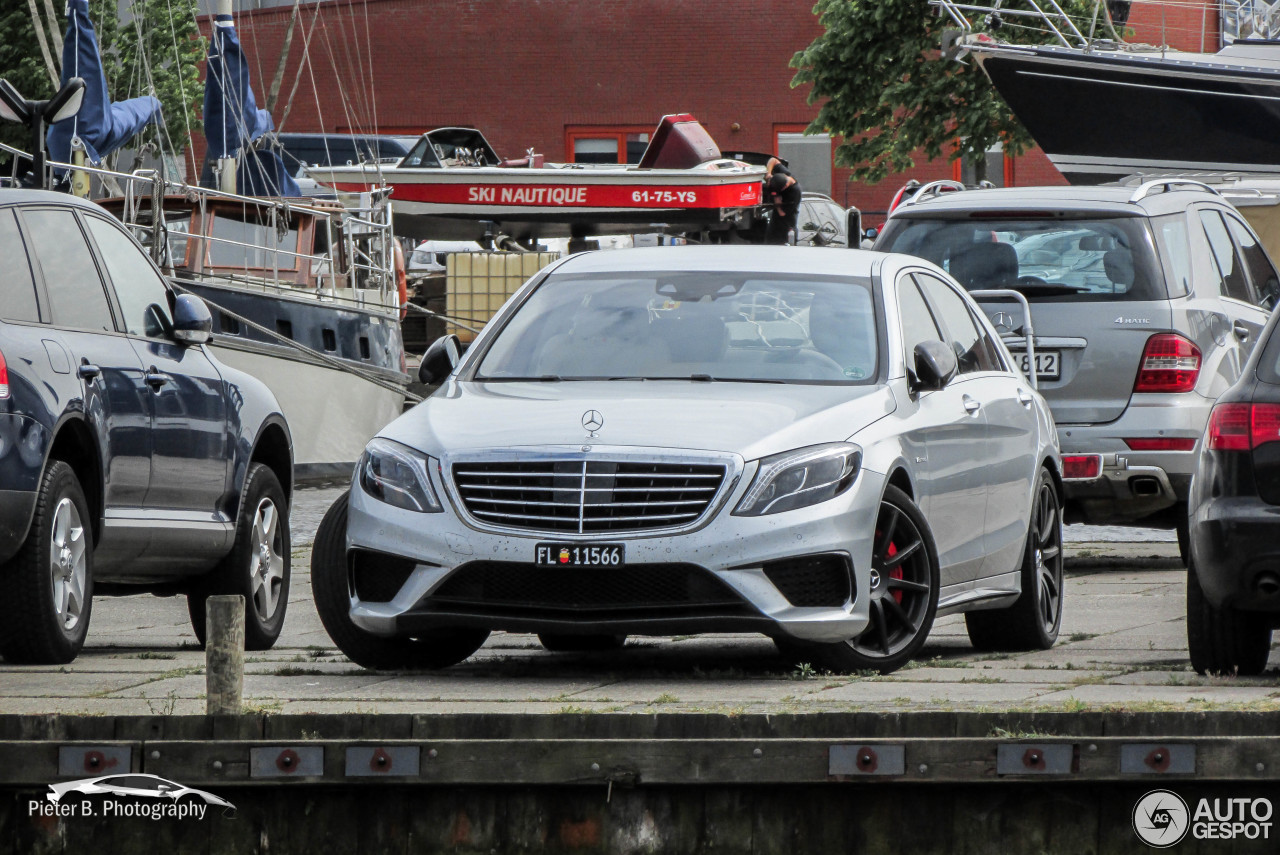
1123,643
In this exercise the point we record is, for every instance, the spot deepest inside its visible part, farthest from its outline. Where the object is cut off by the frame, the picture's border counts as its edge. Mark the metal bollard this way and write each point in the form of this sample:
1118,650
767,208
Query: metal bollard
224,654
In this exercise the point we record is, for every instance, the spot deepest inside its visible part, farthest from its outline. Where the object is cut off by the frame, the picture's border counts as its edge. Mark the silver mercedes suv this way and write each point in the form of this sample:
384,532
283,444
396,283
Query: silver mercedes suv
1146,302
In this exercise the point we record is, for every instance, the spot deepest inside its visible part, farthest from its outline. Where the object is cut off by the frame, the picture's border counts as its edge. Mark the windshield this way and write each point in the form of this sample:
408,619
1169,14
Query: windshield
689,326
1046,259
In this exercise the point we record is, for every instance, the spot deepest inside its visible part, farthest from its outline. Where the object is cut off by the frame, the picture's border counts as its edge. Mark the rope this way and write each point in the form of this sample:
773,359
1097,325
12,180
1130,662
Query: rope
324,358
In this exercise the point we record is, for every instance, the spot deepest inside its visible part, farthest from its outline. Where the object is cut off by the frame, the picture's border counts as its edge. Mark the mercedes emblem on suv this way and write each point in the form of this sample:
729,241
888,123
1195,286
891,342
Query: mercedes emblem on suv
592,421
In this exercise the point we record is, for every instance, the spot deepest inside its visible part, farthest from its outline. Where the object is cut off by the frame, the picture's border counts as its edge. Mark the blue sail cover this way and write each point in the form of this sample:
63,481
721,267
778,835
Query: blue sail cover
232,120
102,126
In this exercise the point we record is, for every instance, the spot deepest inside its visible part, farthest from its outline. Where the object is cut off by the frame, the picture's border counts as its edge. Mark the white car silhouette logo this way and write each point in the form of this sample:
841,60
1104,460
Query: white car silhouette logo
137,785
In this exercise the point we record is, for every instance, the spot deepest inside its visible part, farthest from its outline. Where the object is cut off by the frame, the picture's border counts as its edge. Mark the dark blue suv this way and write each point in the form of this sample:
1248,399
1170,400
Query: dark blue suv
131,460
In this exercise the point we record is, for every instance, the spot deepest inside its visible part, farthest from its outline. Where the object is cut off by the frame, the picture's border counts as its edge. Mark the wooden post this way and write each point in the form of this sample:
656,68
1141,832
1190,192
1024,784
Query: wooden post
224,654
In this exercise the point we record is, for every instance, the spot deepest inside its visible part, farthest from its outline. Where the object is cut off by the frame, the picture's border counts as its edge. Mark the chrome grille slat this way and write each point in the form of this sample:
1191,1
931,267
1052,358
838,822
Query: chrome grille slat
579,496
590,489
592,505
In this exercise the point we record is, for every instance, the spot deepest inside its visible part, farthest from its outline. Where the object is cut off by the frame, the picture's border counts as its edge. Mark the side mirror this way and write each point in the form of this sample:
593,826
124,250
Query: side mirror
66,103
13,107
871,233
935,366
192,323
441,358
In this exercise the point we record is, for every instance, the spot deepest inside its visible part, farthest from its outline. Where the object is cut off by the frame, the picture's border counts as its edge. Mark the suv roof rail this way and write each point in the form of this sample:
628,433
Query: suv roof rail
1168,185
945,185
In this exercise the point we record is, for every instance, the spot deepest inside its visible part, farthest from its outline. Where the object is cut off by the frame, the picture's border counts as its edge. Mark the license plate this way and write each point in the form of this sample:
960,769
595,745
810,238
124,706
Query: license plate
1048,364
579,554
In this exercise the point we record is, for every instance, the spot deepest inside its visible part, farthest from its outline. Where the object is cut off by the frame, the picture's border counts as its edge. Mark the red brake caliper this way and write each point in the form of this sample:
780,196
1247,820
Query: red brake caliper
895,573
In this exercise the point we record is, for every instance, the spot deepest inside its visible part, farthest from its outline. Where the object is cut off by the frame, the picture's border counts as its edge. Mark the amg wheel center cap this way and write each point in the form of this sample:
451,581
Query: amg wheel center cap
875,579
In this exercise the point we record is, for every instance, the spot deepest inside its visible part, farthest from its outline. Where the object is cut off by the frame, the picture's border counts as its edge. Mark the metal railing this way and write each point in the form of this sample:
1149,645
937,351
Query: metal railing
365,232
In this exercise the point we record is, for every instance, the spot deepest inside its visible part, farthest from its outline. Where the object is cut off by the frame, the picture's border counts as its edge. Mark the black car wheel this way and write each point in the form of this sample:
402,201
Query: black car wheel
50,580
1223,640
1033,621
333,588
903,595
257,566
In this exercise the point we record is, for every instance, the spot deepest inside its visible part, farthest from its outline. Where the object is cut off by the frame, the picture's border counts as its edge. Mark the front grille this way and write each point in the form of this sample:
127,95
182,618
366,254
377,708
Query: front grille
816,580
587,497
630,588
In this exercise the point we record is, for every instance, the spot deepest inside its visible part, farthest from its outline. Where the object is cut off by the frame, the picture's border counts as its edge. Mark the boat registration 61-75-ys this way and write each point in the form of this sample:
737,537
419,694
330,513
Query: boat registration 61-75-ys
580,555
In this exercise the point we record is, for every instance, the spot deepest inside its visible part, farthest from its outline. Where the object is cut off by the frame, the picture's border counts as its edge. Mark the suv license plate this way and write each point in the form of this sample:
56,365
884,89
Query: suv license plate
579,555
1048,364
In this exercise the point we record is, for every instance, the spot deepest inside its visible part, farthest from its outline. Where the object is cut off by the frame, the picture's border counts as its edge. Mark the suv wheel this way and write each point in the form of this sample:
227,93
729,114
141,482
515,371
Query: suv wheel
51,578
1032,622
903,596
1224,640
257,567
333,590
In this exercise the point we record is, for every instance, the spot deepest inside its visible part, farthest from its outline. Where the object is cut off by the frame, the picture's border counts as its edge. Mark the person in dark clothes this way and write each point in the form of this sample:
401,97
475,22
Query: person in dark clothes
783,193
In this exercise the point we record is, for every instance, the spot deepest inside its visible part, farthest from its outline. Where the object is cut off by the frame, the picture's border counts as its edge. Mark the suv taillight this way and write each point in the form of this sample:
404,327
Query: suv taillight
1170,363
1243,427
4,377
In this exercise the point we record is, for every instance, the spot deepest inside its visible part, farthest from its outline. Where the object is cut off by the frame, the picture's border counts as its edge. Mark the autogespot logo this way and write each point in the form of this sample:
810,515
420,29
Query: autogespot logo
1160,819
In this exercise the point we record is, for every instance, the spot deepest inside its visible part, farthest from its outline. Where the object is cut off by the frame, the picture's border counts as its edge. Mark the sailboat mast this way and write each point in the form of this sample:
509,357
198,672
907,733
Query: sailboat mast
226,165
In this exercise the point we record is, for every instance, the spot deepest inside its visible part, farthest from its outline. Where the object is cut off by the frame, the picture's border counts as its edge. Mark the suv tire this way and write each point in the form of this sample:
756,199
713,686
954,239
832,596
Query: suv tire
257,567
44,625
331,588
1224,640
1033,621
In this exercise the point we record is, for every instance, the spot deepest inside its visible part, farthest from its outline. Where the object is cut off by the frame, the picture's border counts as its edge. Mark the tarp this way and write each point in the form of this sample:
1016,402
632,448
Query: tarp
232,120
101,125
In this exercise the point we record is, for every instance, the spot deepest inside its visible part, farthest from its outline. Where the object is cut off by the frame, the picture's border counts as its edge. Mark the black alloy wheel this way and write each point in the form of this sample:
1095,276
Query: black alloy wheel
1033,621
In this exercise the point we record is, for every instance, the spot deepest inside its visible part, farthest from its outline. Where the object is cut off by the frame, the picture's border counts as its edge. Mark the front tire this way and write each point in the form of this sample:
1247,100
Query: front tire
903,596
1033,621
50,580
1224,640
257,567
333,590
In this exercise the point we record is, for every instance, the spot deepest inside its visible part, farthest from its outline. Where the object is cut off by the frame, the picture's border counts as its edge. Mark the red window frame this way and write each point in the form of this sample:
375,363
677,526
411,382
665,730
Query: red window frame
572,133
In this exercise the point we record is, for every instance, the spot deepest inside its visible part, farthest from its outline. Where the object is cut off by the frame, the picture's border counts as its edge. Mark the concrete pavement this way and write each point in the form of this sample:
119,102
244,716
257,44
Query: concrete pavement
1123,645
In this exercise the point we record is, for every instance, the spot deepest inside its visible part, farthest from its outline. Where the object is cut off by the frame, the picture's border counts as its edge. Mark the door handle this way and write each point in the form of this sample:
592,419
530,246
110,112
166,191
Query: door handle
156,379
971,405
1024,398
1241,331
87,370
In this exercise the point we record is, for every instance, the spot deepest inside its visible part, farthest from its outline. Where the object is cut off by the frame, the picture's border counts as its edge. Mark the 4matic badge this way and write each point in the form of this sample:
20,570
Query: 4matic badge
1121,320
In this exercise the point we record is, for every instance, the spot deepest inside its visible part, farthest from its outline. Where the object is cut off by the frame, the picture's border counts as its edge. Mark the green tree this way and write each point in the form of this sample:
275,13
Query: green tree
147,47
887,90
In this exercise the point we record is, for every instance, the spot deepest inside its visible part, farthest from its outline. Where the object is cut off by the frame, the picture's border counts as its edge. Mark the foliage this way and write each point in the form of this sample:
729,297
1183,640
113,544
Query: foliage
885,88
156,45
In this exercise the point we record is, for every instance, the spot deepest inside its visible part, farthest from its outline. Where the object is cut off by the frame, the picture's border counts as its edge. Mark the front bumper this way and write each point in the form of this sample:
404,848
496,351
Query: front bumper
723,559
1236,552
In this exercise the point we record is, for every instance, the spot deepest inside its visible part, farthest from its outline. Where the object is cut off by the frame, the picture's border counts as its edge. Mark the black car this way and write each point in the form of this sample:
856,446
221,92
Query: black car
1233,583
131,460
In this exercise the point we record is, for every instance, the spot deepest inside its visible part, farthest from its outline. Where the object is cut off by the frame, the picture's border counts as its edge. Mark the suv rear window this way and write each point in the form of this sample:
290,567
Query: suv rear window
1048,260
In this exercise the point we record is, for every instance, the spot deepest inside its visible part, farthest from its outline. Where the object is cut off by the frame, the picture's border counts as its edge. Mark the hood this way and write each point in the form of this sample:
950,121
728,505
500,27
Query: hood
749,419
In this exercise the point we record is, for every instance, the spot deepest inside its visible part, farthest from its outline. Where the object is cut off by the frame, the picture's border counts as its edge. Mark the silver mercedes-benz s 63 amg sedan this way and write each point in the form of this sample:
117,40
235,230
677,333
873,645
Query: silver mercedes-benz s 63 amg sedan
830,448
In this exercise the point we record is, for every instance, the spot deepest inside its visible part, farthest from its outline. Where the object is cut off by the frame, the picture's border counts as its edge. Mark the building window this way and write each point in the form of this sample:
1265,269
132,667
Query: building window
808,157
997,168
605,144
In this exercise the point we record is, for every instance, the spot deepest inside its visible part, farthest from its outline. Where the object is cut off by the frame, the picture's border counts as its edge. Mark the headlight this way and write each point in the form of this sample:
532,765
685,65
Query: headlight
396,474
798,479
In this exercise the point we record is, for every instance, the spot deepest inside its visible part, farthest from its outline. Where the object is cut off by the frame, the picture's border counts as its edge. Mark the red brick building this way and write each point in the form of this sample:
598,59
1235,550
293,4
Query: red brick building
579,79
